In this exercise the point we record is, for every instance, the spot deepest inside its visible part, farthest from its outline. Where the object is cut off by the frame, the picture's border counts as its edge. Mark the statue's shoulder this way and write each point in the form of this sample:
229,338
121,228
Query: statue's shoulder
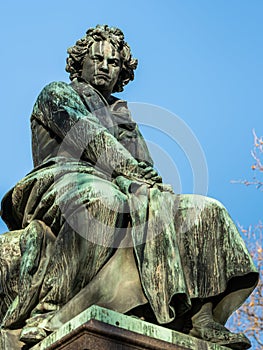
57,89
59,93
54,96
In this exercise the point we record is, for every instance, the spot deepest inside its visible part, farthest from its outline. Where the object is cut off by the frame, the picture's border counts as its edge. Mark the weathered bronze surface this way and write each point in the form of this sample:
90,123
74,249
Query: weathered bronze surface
104,329
97,335
94,224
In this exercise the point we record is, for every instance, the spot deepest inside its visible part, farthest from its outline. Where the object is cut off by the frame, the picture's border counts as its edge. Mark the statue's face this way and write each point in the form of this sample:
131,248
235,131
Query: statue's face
101,67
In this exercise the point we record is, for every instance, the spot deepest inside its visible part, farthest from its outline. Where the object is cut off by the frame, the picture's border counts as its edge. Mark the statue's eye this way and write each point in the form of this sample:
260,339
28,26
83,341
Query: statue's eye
97,58
114,62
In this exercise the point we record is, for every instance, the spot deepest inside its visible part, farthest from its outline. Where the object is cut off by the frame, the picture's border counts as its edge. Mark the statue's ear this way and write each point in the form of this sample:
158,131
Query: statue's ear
125,81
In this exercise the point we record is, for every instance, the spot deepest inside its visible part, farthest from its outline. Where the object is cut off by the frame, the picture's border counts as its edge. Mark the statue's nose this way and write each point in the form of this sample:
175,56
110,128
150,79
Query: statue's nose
105,65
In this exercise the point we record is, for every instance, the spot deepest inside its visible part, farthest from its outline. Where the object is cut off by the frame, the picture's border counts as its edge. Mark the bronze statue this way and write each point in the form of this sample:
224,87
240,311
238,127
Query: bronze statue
94,224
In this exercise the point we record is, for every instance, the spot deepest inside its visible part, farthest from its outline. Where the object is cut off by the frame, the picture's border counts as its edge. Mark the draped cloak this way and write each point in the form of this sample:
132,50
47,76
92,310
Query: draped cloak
87,190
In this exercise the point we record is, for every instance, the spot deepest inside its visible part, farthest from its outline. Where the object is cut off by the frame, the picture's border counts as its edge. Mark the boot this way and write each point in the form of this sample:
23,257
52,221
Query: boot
205,328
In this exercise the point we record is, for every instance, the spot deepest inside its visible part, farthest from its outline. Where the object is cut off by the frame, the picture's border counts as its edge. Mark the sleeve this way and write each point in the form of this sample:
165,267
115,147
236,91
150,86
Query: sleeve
60,108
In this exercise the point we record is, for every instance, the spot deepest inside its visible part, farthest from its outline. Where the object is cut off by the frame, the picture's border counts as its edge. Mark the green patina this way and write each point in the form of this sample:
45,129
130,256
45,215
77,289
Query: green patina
93,223
128,323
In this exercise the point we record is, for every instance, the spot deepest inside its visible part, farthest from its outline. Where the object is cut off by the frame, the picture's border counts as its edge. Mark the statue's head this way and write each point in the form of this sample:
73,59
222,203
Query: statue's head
102,58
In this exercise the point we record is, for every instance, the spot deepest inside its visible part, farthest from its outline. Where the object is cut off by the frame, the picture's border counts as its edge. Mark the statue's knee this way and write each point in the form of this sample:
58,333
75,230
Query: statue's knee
207,202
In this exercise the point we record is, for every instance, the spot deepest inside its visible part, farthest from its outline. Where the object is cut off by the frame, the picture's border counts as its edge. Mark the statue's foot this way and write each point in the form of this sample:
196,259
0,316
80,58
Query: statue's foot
216,333
32,335
36,328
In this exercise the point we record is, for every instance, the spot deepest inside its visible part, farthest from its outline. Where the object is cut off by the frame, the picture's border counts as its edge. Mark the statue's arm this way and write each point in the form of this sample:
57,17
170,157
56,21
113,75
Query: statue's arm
60,109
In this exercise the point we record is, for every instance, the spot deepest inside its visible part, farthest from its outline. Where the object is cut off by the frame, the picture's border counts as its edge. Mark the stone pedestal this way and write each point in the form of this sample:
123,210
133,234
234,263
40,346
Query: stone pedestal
101,329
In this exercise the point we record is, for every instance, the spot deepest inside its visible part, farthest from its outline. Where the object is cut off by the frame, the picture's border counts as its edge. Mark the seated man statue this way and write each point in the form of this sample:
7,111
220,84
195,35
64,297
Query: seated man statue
94,224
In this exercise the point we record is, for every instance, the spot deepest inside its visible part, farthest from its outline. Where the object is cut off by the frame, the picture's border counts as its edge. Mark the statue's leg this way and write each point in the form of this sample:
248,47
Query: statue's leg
213,259
218,268
85,243
214,256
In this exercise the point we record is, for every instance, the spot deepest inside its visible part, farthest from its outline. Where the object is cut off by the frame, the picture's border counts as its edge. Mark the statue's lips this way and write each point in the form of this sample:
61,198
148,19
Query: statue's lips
103,76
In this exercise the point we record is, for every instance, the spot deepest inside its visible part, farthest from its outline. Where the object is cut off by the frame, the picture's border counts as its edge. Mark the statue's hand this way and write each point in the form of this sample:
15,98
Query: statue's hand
148,173
150,176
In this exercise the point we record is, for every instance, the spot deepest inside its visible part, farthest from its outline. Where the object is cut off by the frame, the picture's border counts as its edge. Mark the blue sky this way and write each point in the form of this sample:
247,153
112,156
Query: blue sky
201,60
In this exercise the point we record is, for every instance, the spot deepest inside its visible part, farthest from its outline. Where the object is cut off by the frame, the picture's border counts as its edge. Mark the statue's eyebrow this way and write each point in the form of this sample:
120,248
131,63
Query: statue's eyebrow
114,59
96,55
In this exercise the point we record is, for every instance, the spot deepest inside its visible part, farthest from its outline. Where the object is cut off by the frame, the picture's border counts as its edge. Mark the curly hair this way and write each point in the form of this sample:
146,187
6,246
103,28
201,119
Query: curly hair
115,36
